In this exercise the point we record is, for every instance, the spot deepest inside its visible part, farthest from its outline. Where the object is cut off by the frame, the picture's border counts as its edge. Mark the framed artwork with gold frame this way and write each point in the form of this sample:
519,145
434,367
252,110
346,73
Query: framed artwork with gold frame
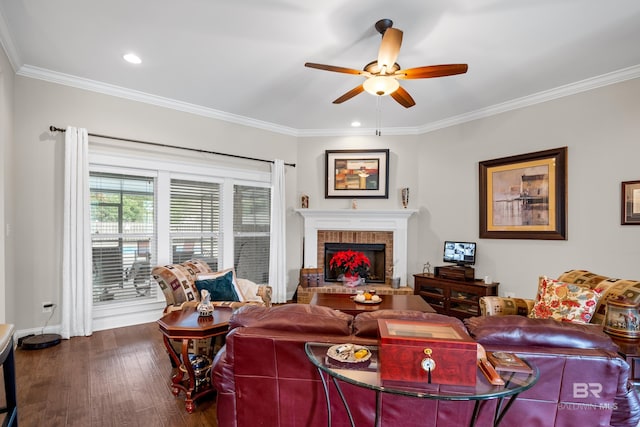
524,196
630,203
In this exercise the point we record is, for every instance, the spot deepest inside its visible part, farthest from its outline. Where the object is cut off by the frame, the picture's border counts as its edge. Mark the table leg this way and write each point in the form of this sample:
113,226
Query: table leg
325,386
501,413
177,380
474,416
378,420
175,357
188,401
8,371
344,401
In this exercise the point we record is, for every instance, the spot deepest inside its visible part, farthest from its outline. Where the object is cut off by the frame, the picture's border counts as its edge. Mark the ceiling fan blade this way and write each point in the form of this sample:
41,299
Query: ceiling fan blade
403,98
389,48
336,69
347,96
431,71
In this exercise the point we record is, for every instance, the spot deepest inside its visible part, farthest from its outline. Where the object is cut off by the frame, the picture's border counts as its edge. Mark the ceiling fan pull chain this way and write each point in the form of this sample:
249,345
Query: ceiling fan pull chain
378,116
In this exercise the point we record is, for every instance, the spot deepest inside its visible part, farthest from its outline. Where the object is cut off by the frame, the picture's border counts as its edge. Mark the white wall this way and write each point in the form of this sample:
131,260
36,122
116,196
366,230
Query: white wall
6,130
404,166
602,132
35,211
600,129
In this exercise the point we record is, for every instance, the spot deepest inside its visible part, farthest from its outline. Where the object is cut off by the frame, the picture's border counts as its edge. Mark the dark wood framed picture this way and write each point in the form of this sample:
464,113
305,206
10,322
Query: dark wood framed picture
524,196
630,203
357,174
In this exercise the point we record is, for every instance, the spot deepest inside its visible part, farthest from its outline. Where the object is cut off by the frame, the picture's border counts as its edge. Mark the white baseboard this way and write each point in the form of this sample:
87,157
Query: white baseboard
108,318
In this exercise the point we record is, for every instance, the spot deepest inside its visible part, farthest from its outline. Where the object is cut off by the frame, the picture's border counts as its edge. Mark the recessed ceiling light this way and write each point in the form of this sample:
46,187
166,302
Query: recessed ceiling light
132,58
355,124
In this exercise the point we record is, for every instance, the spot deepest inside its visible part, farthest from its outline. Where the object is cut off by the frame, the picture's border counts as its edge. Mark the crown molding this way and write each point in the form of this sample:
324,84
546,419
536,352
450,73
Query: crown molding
537,98
134,95
121,92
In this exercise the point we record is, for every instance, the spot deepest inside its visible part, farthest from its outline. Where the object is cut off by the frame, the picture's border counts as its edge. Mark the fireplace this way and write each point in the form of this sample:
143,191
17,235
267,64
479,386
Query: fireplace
375,252
357,226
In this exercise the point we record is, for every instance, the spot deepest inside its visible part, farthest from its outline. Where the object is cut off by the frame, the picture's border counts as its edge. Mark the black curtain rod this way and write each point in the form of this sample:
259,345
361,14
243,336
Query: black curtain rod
157,144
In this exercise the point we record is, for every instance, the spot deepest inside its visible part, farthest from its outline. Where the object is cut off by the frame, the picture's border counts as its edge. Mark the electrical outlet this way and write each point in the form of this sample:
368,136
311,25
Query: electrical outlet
47,307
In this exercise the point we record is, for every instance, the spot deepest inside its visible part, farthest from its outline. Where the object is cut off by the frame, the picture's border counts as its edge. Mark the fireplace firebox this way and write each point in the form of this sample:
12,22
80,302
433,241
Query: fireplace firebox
374,251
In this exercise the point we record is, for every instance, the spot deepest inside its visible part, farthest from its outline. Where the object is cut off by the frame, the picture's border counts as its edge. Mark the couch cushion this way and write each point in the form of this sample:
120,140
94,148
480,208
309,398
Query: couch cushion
197,266
366,324
221,287
249,290
609,287
294,318
501,306
217,274
176,283
524,331
564,301
582,277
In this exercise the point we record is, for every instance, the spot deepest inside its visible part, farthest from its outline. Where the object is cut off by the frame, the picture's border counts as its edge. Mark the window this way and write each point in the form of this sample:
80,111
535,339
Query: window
150,211
195,221
122,236
251,232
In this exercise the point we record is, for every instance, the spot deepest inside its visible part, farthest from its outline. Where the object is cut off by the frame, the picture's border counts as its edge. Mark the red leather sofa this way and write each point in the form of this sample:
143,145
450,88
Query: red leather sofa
264,378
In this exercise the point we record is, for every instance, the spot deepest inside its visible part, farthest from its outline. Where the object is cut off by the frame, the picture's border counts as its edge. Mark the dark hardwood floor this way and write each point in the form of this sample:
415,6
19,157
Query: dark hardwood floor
118,377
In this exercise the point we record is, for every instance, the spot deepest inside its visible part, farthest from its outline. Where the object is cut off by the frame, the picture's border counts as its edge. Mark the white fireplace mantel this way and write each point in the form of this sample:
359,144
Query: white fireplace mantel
395,221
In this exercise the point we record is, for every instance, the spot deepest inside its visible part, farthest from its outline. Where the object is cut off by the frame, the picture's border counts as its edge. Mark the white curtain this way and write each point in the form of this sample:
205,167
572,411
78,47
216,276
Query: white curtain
76,243
277,252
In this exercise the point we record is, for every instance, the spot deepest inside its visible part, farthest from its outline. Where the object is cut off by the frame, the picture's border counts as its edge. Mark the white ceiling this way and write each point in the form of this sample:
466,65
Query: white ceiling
243,60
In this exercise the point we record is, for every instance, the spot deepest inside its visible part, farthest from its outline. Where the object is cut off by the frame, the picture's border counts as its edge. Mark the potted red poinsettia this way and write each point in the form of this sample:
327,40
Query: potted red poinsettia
353,266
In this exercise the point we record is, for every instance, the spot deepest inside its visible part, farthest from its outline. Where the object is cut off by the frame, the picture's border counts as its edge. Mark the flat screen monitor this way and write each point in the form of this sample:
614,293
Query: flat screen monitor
460,253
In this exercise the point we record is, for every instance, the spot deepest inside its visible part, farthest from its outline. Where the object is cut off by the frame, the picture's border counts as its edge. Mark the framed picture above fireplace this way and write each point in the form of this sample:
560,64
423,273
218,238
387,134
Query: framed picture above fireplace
357,174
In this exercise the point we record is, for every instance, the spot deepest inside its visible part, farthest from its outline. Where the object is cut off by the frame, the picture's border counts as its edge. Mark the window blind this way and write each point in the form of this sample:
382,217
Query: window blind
251,231
195,221
122,236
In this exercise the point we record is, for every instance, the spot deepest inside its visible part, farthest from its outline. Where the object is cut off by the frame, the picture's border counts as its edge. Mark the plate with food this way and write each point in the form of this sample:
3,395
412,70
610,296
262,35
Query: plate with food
367,299
349,353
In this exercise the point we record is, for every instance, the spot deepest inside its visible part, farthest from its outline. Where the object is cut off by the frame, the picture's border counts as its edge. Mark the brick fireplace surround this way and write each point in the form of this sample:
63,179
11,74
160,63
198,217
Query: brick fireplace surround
356,226
337,236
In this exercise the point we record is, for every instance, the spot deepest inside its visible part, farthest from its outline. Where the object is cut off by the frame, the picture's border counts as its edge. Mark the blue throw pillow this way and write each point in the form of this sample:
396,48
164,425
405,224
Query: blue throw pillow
221,288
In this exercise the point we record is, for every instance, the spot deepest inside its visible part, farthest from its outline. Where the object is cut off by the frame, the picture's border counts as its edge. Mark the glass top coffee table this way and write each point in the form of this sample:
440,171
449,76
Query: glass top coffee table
367,375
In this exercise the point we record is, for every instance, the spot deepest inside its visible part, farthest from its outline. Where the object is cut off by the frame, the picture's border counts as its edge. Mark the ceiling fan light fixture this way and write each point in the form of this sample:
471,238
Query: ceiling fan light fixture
381,85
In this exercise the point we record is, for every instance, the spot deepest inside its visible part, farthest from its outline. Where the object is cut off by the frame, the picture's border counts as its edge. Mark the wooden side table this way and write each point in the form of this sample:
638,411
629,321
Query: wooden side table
630,351
187,325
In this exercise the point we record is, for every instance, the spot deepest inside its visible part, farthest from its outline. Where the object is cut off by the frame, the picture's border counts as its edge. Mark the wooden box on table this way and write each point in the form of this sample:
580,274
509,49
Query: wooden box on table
423,352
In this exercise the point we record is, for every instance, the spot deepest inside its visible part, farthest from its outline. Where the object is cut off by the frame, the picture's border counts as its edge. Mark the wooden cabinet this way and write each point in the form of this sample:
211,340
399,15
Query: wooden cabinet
629,349
458,298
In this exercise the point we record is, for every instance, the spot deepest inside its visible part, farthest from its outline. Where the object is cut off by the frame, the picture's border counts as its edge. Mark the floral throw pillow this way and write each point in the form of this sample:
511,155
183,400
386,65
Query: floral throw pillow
566,302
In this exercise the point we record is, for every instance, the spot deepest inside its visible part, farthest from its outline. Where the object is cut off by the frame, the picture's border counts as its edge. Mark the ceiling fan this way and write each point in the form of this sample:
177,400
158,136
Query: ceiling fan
383,74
